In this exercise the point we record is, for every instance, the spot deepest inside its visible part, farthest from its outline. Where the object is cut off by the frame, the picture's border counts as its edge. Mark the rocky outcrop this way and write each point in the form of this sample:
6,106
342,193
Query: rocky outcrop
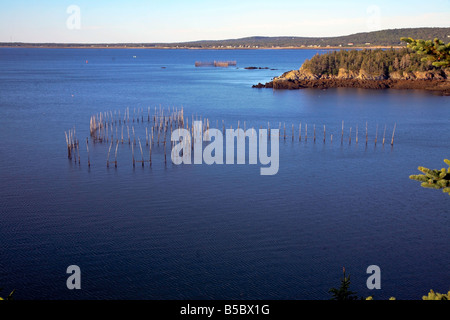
305,74
256,68
447,73
437,81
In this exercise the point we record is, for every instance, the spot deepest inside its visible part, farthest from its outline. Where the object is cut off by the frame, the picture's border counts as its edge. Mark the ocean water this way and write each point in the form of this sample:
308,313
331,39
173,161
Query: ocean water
219,231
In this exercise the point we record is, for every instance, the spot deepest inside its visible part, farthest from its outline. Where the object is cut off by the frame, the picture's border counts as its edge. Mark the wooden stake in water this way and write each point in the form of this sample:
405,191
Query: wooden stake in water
87,147
165,156
158,136
393,132
68,145
115,155
384,134
142,154
314,133
376,135
107,159
342,134
78,152
300,132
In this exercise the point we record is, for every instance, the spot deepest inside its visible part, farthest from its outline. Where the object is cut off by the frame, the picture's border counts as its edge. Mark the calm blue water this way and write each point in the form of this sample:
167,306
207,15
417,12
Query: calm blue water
214,232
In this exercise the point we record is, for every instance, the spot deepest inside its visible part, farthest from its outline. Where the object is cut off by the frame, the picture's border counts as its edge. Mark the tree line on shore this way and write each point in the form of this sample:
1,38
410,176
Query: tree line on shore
420,55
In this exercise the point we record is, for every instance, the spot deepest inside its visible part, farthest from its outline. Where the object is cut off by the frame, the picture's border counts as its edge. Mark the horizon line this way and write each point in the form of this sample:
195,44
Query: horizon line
217,40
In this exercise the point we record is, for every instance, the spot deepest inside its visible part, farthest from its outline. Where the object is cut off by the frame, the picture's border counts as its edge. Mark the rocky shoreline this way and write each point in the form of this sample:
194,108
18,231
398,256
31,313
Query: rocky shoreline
438,86
300,79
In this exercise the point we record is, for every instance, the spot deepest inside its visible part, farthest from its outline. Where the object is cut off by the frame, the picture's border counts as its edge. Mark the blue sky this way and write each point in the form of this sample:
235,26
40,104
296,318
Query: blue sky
176,20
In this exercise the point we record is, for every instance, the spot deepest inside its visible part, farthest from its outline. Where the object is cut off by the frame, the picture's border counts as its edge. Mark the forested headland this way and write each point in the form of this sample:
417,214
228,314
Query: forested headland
379,64
374,68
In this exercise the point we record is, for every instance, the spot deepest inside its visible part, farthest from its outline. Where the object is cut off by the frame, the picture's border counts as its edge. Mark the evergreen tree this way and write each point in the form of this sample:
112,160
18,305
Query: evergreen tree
434,179
375,62
343,293
435,51
9,297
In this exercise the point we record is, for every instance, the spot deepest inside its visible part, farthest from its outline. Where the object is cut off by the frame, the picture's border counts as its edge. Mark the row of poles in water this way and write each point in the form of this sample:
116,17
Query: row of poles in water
105,126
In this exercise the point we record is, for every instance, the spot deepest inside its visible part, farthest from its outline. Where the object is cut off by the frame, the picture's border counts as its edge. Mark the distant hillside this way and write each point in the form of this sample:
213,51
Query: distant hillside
384,38
389,37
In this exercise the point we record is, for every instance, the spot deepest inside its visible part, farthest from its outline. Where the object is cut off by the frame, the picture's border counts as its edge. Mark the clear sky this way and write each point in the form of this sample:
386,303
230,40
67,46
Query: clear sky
110,21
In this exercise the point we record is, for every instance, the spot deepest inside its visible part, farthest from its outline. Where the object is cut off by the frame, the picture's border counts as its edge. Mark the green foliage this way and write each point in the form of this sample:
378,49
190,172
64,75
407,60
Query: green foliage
436,296
343,293
9,297
434,179
377,63
435,51
431,296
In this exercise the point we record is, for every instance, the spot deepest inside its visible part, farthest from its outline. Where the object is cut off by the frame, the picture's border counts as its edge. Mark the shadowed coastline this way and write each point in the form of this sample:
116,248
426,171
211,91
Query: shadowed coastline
441,87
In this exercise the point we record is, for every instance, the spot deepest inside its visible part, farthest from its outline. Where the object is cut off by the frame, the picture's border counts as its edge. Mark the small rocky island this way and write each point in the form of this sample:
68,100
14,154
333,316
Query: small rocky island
423,65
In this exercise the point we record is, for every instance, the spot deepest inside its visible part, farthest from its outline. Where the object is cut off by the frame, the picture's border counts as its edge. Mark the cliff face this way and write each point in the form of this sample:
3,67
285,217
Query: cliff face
305,74
436,81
